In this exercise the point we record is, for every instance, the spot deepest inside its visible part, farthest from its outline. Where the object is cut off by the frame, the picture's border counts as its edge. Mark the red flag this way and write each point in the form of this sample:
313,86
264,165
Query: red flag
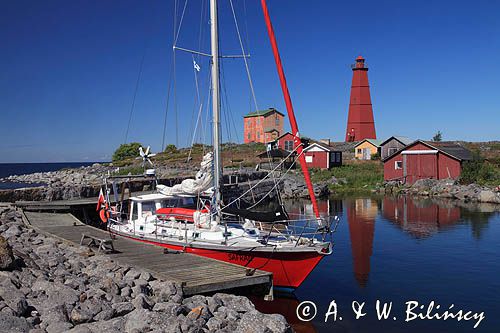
100,200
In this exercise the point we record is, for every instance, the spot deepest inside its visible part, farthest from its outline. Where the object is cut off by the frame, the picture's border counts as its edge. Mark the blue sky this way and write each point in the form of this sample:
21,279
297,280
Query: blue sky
69,70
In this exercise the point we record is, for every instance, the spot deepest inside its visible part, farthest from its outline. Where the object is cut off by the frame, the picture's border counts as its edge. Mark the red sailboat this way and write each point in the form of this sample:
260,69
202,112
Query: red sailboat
204,224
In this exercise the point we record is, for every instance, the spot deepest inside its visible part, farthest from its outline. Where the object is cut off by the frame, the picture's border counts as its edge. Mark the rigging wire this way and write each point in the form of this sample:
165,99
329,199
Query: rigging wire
136,89
253,95
135,95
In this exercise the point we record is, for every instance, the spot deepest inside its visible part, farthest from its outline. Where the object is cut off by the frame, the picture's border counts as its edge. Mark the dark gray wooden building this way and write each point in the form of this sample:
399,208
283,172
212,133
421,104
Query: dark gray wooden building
392,145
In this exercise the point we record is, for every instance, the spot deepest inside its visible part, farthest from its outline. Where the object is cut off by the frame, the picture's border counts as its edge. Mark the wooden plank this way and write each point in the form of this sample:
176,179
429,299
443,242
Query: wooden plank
197,274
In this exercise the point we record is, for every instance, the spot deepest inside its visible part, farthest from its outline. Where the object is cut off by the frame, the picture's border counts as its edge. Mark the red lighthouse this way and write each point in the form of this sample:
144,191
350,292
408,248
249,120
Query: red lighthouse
360,123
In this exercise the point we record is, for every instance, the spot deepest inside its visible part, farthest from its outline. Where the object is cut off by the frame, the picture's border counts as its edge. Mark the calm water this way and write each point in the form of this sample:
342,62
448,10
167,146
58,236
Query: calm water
401,250
8,169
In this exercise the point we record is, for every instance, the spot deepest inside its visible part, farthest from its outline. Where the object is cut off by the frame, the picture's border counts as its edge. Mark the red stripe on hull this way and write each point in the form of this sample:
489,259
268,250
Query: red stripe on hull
289,269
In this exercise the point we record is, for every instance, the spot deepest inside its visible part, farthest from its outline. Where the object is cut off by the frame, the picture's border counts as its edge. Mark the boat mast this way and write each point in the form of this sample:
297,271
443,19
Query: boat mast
216,107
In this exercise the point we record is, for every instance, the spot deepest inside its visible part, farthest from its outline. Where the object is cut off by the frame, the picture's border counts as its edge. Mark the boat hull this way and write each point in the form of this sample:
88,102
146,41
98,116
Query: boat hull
289,269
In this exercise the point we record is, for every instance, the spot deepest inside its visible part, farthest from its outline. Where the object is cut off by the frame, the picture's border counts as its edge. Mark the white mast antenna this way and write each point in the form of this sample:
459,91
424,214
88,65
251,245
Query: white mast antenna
216,107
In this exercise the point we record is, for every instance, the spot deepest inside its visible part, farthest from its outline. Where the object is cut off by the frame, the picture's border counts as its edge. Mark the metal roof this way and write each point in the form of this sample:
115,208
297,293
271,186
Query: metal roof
374,142
262,113
403,139
450,148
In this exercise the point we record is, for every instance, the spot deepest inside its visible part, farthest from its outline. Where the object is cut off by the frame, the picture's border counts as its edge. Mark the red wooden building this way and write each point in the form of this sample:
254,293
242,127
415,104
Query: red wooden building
424,159
319,155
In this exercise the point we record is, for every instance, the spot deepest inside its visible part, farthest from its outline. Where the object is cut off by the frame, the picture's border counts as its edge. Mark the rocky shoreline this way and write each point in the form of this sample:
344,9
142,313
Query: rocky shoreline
47,285
446,188
85,182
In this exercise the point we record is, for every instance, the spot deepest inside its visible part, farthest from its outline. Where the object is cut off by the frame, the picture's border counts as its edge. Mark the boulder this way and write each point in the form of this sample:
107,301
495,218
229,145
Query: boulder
9,323
254,321
6,255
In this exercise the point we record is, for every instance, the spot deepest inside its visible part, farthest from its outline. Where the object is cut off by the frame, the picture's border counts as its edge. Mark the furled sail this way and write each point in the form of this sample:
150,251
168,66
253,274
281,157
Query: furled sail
202,182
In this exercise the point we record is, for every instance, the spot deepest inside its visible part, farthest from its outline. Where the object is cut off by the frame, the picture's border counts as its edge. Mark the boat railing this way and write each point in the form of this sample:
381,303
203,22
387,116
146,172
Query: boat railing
302,230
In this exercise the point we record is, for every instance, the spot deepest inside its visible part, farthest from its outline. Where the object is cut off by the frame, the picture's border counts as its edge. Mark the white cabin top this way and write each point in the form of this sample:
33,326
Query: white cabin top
156,196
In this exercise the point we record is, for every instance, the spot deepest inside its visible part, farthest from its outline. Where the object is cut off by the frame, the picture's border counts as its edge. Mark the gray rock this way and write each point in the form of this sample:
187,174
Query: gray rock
214,324
126,291
254,321
6,256
9,323
171,308
146,276
236,303
13,297
487,196
123,308
132,274
164,291
141,302
142,320
105,315
57,313
79,315
58,327
14,230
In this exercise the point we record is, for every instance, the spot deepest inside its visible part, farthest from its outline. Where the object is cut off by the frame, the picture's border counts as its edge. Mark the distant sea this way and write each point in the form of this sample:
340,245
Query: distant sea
9,169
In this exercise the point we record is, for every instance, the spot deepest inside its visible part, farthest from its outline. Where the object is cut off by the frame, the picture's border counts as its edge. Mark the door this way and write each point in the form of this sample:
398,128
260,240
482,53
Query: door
366,154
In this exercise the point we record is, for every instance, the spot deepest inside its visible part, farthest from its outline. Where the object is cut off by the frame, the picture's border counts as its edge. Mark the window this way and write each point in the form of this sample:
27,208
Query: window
258,135
248,136
360,151
277,121
337,157
258,121
398,165
289,145
309,159
148,208
392,151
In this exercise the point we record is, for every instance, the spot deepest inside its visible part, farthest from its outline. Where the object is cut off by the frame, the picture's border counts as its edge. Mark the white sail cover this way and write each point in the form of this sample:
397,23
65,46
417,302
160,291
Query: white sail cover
201,183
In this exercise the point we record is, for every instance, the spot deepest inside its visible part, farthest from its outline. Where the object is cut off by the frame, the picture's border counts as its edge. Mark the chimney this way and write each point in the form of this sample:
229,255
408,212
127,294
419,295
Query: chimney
325,141
360,123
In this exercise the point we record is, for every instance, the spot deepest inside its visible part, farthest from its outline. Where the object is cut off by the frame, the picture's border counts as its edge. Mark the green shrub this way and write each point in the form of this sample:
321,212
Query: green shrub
480,171
133,170
126,150
171,149
351,177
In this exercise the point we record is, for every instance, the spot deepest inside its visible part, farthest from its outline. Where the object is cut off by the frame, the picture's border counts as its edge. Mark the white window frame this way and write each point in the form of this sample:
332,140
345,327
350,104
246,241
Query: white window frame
396,163
309,159
391,150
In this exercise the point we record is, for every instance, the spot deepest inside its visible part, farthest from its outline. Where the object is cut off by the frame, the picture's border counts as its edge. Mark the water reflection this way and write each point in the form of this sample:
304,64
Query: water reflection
361,215
415,240
420,218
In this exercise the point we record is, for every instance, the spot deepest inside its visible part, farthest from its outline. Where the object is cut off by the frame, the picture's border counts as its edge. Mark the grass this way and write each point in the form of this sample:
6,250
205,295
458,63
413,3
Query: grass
133,170
352,177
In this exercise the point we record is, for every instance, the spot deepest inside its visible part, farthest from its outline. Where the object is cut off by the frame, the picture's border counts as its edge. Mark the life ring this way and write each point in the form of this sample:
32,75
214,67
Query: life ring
104,214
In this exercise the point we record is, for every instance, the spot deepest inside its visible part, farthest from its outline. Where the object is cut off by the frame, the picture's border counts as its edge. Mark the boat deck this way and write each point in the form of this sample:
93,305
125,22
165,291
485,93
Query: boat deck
196,274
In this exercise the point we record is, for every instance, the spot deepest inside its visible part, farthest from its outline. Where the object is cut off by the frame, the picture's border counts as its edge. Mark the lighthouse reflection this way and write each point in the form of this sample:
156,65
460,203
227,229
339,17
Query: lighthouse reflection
361,214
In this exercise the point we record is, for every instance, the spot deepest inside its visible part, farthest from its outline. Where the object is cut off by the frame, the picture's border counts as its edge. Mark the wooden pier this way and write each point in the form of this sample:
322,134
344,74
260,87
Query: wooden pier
196,274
